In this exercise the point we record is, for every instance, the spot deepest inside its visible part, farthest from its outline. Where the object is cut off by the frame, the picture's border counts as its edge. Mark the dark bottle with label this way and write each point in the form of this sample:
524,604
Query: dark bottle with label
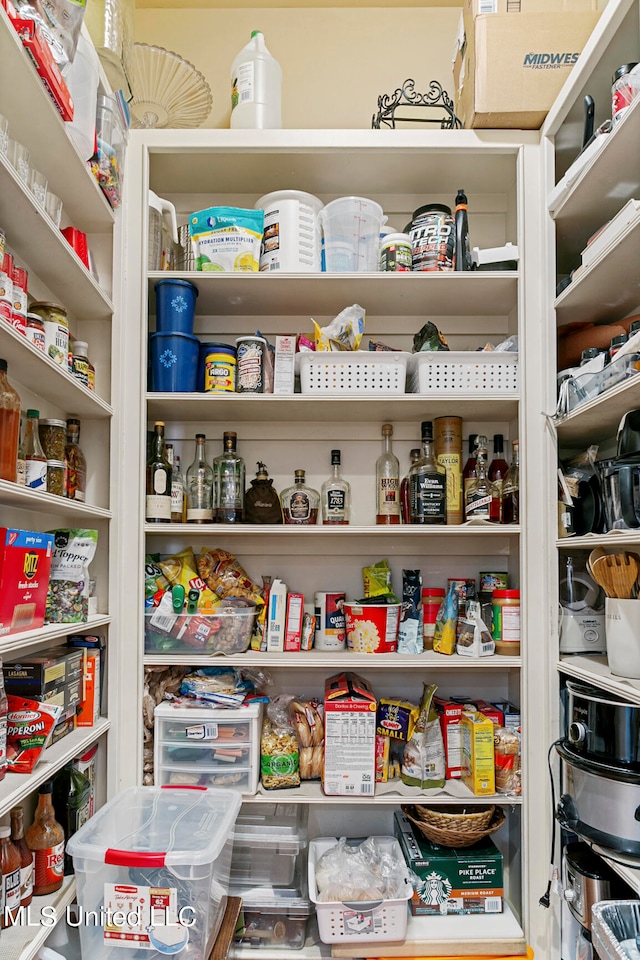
427,484
463,251
26,857
158,498
469,471
497,472
405,504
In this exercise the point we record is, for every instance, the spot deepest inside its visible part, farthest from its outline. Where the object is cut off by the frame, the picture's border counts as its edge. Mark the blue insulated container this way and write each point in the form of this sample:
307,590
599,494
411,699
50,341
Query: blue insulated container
174,362
175,306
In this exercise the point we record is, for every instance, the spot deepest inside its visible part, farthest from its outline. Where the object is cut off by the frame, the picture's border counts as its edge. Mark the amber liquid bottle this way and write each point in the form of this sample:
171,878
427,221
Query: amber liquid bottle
26,857
498,470
45,838
10,859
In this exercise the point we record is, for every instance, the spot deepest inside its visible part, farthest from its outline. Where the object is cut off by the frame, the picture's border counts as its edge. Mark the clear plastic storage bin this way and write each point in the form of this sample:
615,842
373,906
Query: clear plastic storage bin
274,917
202,747
270,843
227,631
154,863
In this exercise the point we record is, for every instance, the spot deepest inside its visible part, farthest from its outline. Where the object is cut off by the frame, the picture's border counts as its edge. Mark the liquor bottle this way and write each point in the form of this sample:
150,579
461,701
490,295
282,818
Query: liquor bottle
300,502
387,481
9,425
76,463
335,494
448,450
498,467
158,500
177,492
45,839
511,489
405,506
427,484
26,857
229,473
199,486
35,460
10,881
469,471
481,499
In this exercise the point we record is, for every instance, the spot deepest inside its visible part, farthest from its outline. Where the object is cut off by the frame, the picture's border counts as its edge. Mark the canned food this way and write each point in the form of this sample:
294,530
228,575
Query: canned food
220,369
19,321
490,581
395,253
56,477
35,331
251,353
6,281
432,233
56,330
6,312
20,282
53,437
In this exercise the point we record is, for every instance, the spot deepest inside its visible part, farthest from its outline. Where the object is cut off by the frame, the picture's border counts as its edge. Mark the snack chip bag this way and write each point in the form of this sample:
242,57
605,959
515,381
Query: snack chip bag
444,637
68,594
180,569
225,577
377,581
344,332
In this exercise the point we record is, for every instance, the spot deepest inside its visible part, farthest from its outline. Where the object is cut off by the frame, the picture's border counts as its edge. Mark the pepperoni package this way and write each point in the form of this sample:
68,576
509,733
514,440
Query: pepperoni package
29,727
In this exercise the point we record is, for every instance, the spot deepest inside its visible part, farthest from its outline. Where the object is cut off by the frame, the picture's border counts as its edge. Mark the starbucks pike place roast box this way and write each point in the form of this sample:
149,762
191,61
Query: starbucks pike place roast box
451,880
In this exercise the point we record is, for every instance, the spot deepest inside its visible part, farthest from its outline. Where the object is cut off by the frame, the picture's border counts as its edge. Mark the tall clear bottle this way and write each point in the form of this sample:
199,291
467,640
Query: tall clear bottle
35,460
158,498
76,463
335,495
230,479
482,497
199,486
177,492
511,488
427,484
387,481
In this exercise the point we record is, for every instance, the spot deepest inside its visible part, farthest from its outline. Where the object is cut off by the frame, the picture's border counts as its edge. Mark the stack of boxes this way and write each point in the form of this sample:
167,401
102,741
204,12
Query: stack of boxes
511,57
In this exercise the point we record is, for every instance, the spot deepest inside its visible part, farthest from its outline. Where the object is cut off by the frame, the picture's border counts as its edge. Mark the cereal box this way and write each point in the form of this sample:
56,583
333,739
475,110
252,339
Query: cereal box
450,714
25,563
349,736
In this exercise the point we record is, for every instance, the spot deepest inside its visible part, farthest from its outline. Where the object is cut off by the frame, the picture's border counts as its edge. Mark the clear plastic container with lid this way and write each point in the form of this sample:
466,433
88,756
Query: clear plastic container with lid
179,840
275,917
269,843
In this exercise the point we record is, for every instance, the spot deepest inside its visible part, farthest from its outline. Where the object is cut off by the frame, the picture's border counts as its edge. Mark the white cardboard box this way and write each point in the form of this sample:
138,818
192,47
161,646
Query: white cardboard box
284,368
276,617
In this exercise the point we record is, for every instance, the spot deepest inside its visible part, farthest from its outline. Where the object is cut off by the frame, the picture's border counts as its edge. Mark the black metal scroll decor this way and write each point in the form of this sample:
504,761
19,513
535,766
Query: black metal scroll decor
435,106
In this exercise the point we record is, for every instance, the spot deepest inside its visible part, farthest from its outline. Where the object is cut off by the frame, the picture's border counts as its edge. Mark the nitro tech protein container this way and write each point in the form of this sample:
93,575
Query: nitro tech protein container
433,238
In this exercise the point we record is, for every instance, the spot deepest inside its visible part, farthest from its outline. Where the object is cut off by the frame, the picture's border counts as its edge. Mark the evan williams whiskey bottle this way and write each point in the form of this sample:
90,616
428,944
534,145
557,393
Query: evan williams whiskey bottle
45,839
427,484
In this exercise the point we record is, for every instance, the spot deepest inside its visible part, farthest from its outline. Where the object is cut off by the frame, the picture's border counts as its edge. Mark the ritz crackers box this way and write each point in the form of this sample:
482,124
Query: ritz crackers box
25,563
349,736
451,880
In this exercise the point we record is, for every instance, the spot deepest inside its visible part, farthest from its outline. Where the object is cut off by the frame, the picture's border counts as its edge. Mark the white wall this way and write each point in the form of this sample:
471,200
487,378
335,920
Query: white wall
335,62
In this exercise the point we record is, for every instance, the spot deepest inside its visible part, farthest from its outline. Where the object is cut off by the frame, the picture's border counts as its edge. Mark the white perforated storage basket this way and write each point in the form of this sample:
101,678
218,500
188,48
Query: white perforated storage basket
355,372
446,371
363,921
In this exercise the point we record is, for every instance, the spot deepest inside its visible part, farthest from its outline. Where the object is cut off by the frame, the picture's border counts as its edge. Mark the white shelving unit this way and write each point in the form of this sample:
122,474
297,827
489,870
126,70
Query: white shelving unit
57,274
199,168
601,189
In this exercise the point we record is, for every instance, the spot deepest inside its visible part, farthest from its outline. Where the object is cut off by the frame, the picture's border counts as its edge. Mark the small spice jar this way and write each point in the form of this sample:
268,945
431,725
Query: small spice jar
505,623
432,597
56,477
53,437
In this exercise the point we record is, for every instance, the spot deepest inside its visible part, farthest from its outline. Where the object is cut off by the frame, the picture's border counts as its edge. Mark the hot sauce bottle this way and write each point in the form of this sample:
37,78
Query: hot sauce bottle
45,837
10,877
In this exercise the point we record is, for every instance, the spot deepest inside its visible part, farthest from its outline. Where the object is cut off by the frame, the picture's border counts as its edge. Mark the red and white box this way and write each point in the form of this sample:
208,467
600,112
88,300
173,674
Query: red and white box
490,711
48,71
284,364
89,710
349,736
25,564
450,714
293,630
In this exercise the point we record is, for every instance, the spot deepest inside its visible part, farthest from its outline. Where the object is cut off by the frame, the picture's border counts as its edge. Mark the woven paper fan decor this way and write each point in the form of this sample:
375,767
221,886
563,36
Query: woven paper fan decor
167,90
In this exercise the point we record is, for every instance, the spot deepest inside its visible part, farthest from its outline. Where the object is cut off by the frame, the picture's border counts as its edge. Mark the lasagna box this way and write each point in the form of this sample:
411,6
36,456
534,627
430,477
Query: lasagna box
25,562
55,676
349,736
451,880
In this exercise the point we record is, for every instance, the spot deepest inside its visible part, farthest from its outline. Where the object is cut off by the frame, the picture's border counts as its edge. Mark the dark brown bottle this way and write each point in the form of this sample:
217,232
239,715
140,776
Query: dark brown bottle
405,505
26,857
10,880
511,489
469,471
45,838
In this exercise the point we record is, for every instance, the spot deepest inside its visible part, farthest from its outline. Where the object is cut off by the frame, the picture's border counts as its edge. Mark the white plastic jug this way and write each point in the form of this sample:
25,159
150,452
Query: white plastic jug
82,77
159,251
256,88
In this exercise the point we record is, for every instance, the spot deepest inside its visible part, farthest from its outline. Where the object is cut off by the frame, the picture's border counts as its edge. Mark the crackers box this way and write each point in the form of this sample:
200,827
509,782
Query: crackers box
509,68
451,880
477,734
25,563
450,714
349,736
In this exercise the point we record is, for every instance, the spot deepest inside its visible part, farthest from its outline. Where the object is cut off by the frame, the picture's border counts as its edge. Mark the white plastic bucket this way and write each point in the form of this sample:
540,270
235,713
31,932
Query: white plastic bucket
291,240
351,234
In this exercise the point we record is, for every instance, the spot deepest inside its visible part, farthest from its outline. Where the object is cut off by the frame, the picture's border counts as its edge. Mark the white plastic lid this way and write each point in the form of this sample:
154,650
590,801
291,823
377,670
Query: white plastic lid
151,827
277,196
182,711
5,832
80,348
395,238
273,825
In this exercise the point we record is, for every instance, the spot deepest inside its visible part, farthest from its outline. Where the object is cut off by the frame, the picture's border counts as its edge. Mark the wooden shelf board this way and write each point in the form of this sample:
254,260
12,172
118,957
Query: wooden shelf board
12,495
595,670
43,636
23,941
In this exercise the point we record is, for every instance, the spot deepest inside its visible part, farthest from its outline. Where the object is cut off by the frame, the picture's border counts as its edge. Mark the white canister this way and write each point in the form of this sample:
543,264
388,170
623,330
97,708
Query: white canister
56,341
330,623
291,239
622,618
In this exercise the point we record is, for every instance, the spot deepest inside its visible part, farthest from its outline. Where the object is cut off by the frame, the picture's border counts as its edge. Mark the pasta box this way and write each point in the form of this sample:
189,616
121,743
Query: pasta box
25,563
54,676
349,756
451,880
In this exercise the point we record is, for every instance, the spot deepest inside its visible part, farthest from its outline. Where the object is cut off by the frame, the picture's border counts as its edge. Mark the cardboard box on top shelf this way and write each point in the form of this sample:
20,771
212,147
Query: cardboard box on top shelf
508,69
480,7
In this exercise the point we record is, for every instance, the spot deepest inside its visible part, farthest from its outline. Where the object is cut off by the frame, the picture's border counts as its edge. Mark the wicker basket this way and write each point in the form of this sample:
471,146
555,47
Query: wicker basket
455,826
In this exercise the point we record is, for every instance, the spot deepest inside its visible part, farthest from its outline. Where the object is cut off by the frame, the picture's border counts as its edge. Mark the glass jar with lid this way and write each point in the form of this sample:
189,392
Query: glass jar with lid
53,437
56,330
